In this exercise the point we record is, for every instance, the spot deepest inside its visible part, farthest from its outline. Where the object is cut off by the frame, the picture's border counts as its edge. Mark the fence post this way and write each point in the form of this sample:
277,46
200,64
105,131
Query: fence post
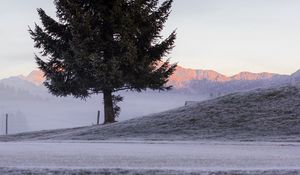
98,118
6,124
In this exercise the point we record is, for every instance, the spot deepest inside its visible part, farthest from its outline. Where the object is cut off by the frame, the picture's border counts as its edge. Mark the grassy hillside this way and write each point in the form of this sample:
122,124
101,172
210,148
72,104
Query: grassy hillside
260,115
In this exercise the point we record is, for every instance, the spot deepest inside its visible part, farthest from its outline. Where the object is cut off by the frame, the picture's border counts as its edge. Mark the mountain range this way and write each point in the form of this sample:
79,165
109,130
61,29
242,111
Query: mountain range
196,81
214,84
183,76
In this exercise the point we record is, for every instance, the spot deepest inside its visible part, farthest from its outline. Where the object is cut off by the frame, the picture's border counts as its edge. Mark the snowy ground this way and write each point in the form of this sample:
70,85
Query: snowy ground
150,157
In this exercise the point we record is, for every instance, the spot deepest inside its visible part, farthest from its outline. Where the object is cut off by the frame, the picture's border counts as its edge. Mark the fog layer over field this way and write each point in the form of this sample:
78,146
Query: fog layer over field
31,107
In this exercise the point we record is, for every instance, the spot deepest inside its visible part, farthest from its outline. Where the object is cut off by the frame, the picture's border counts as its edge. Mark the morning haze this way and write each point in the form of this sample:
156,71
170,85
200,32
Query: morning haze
226,36
125,117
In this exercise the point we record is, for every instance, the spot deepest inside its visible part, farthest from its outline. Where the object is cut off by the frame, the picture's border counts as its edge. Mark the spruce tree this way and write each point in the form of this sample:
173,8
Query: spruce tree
100,46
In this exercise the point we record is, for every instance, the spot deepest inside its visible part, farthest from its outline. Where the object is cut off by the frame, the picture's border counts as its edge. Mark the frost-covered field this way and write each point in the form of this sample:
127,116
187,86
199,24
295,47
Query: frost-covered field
248,133
260,115
38,171
149,158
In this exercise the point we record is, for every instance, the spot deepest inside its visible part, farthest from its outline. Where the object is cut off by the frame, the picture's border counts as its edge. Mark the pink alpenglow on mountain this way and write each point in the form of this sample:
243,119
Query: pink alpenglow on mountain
36,77
182,76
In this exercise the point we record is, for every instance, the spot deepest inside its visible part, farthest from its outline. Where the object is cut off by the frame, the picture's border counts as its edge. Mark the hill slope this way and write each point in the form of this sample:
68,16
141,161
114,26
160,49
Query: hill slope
261,115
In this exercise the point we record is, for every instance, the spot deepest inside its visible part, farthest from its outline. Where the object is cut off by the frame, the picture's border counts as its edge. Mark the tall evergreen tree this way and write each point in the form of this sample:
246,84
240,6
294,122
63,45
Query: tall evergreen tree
100,46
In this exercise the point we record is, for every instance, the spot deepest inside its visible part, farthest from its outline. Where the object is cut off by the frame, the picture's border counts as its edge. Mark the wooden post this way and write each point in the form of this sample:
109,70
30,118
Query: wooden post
98,118
6,124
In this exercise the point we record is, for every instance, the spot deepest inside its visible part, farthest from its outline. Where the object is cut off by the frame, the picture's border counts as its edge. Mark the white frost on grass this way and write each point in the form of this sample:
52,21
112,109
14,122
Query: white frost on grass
260,115
178,156
38,171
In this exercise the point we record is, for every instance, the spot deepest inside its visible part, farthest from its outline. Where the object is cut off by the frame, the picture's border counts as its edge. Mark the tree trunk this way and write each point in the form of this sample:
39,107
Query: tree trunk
109,114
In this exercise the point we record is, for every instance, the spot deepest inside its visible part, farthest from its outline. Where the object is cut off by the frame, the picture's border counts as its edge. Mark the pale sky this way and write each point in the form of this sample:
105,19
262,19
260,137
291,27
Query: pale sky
228,36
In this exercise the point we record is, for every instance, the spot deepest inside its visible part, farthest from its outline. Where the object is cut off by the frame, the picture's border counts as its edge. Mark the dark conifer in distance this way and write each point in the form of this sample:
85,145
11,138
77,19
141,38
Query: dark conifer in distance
100,46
